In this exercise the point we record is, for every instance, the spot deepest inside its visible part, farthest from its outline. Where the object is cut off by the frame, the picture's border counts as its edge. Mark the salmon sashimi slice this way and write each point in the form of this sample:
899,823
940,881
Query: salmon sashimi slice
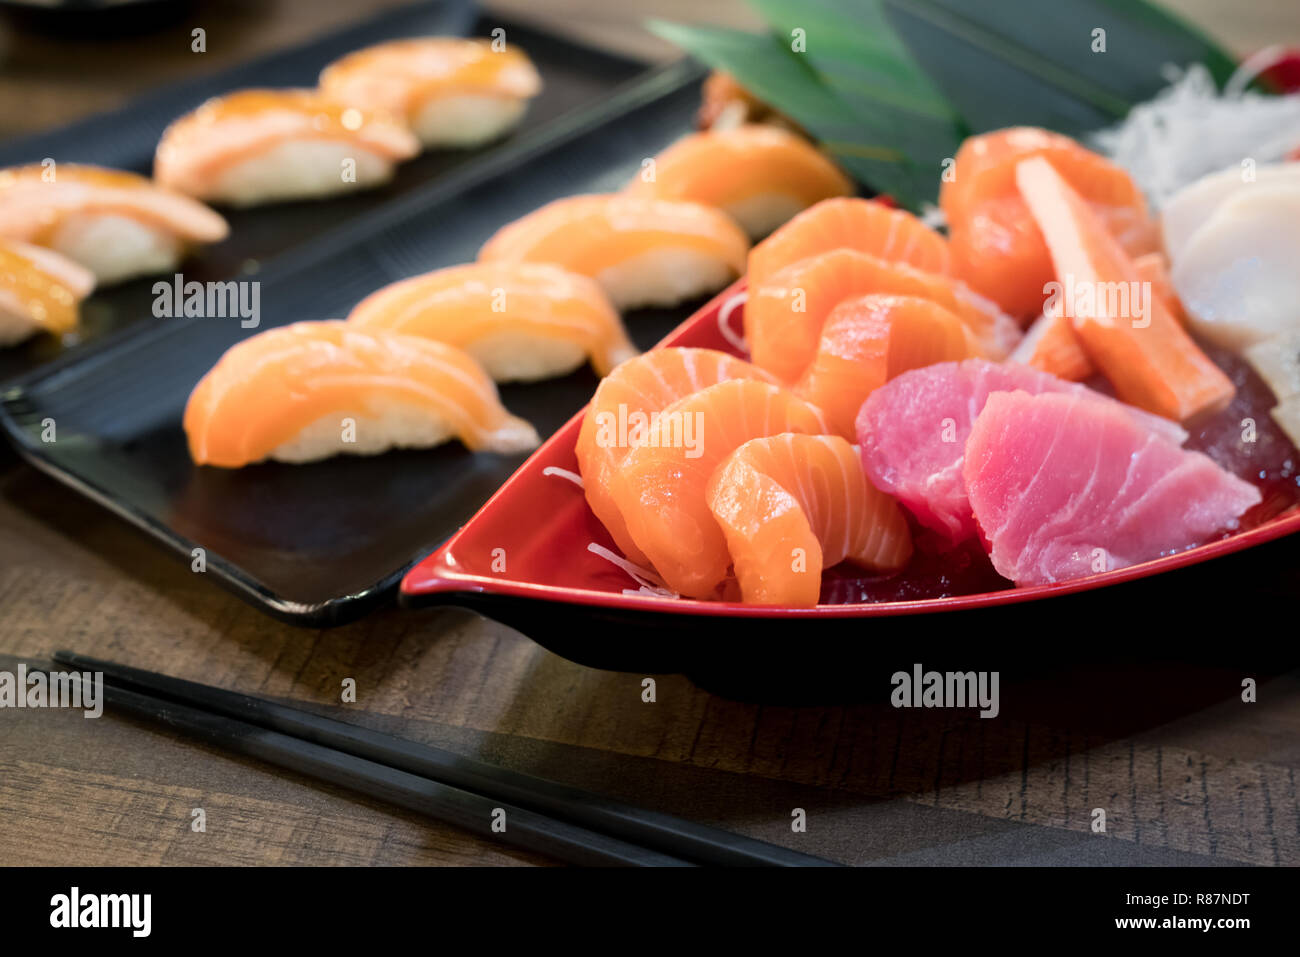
1064,487
867,341
913,433
791,505
40,291
1050,345
862,224
758,175
314,389
521,321
660,487
642,251
453,91
995,244
785,314
1128,333
620,412
253,145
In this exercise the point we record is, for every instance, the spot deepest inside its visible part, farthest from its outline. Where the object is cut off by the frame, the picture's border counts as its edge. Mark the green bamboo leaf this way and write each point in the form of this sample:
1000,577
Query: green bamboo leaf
853,45
854,51
1071,66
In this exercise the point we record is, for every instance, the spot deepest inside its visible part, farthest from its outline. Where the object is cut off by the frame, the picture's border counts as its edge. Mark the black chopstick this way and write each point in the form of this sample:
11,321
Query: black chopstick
675,837
474,812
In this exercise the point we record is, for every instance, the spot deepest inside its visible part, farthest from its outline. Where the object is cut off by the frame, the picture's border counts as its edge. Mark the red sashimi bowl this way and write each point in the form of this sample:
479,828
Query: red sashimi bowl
524,559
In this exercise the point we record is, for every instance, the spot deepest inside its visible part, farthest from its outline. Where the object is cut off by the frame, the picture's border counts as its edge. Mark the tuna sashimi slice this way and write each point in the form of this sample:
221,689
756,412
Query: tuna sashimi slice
913,432
1063,486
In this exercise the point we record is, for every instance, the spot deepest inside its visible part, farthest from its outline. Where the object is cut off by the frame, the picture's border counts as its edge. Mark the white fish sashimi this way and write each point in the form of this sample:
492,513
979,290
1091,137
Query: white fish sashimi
1277,361
1237,276
1187,211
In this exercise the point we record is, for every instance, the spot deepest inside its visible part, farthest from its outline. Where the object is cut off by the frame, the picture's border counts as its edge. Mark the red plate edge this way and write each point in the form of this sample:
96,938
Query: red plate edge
437,574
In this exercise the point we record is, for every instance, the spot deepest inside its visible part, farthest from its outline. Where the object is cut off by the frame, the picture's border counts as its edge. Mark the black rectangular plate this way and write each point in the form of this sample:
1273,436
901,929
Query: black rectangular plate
574,77
321,544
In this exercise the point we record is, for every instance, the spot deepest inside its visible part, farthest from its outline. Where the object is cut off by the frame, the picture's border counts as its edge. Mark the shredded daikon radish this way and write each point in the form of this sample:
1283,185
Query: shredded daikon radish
724,321
650,583
1189,129
573,477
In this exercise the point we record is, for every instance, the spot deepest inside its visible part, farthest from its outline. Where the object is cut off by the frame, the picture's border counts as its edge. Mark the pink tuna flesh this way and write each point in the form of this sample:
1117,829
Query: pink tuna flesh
913,433
1064,486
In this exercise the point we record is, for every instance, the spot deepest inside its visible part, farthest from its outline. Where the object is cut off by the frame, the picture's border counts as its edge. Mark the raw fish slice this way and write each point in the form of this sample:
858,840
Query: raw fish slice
791,505
1238,276
1188,209
452,91
259,146
999,252
862,224
643,252
1277,361
521,321
1144,352
39,291
867,341
984,168
660,488
1064,487
996,246
1287,415
785,314
1050,345
288,393
116,224
637,389
913,433
760,176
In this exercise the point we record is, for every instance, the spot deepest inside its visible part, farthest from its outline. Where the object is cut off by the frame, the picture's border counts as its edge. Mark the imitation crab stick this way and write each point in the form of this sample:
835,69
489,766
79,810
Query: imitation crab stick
1129,334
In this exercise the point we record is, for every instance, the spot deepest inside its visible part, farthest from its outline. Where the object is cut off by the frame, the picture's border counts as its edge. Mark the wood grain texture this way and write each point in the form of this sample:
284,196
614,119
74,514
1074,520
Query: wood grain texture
1185,771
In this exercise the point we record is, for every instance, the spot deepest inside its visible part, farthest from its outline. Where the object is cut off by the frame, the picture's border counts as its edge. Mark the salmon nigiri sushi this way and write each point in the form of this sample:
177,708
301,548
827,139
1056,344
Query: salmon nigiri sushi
311,390
791,505
262,146
620,412
869,340
521,321
452,91
39,291
785,314
116,224
758,175
866,225
643,252
661,486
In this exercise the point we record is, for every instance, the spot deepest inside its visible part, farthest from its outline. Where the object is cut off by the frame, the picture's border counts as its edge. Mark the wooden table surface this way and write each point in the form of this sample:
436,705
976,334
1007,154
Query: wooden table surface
1186,772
